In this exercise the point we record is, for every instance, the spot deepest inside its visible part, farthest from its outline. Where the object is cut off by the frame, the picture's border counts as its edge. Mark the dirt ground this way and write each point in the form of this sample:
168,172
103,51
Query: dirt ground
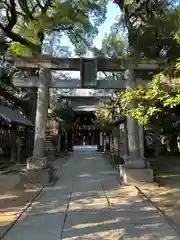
167,195
13,199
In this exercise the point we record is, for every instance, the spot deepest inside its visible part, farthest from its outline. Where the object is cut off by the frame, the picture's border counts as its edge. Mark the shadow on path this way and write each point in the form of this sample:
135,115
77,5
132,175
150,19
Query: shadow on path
88,203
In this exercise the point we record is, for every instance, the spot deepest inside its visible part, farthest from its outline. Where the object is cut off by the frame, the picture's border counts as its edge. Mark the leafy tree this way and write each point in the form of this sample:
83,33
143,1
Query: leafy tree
30,24
153,28
65,115
105,116
27,23
157,106
152,24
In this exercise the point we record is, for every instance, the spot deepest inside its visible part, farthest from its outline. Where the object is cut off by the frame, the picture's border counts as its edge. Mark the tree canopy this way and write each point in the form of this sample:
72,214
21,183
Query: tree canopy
38,27
151,25
106,114
27,23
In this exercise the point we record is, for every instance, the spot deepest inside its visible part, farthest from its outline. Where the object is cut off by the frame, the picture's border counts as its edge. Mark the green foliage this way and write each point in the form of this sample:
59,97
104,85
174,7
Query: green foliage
177,37
153,32
155,105
65,114
105,115
112,46
152,26
157,36
19,49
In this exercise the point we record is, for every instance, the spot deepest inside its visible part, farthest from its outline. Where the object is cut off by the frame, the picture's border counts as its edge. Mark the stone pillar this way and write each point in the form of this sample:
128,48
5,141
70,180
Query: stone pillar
104,141
119,140
133,139
126,152
101,138
141,140
41,116
135,169
38,171
13,148
132,124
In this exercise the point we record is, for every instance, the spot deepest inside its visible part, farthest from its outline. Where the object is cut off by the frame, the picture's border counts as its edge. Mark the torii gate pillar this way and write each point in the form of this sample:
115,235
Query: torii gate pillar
39,160
132,125
135,168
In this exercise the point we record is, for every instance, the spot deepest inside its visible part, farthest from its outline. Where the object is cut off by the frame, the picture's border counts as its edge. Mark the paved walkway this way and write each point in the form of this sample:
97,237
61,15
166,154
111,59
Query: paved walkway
88,203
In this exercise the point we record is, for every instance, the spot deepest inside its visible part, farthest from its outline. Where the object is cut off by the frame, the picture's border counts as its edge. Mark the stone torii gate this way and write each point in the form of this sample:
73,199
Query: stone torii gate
88,68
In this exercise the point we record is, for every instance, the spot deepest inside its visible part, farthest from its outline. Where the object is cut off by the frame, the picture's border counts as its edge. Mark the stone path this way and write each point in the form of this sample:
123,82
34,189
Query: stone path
88,203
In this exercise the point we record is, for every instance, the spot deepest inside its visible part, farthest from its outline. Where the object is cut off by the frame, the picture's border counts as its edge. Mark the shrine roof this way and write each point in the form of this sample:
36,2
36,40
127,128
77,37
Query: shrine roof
11,115
84,103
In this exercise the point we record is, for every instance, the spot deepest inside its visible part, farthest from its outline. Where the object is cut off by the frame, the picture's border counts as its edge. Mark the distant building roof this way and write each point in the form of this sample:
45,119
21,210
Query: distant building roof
84,103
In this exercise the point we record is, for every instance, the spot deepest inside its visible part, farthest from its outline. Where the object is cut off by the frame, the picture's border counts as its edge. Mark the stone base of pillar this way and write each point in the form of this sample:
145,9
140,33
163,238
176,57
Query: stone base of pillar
135,176
37,171
37,163
117,159
136,171
136,163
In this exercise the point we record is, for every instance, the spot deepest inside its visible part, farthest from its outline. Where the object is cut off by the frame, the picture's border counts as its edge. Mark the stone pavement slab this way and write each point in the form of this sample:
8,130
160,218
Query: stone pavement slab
88,202
45,226
91,225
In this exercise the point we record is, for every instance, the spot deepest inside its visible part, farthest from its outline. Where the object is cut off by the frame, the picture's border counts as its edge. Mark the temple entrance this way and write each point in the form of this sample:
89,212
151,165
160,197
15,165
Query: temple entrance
85,132
85,135
85,139
85,148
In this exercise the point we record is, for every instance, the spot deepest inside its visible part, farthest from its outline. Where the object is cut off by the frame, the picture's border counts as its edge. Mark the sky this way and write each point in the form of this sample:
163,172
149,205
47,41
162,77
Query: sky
112,14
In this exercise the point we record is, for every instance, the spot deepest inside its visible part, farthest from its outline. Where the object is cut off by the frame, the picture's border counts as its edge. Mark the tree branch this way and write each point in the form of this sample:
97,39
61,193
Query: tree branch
13,18
24,6
17,38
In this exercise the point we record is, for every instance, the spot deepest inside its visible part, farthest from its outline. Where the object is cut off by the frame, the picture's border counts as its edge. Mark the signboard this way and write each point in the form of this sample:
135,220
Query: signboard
88,72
